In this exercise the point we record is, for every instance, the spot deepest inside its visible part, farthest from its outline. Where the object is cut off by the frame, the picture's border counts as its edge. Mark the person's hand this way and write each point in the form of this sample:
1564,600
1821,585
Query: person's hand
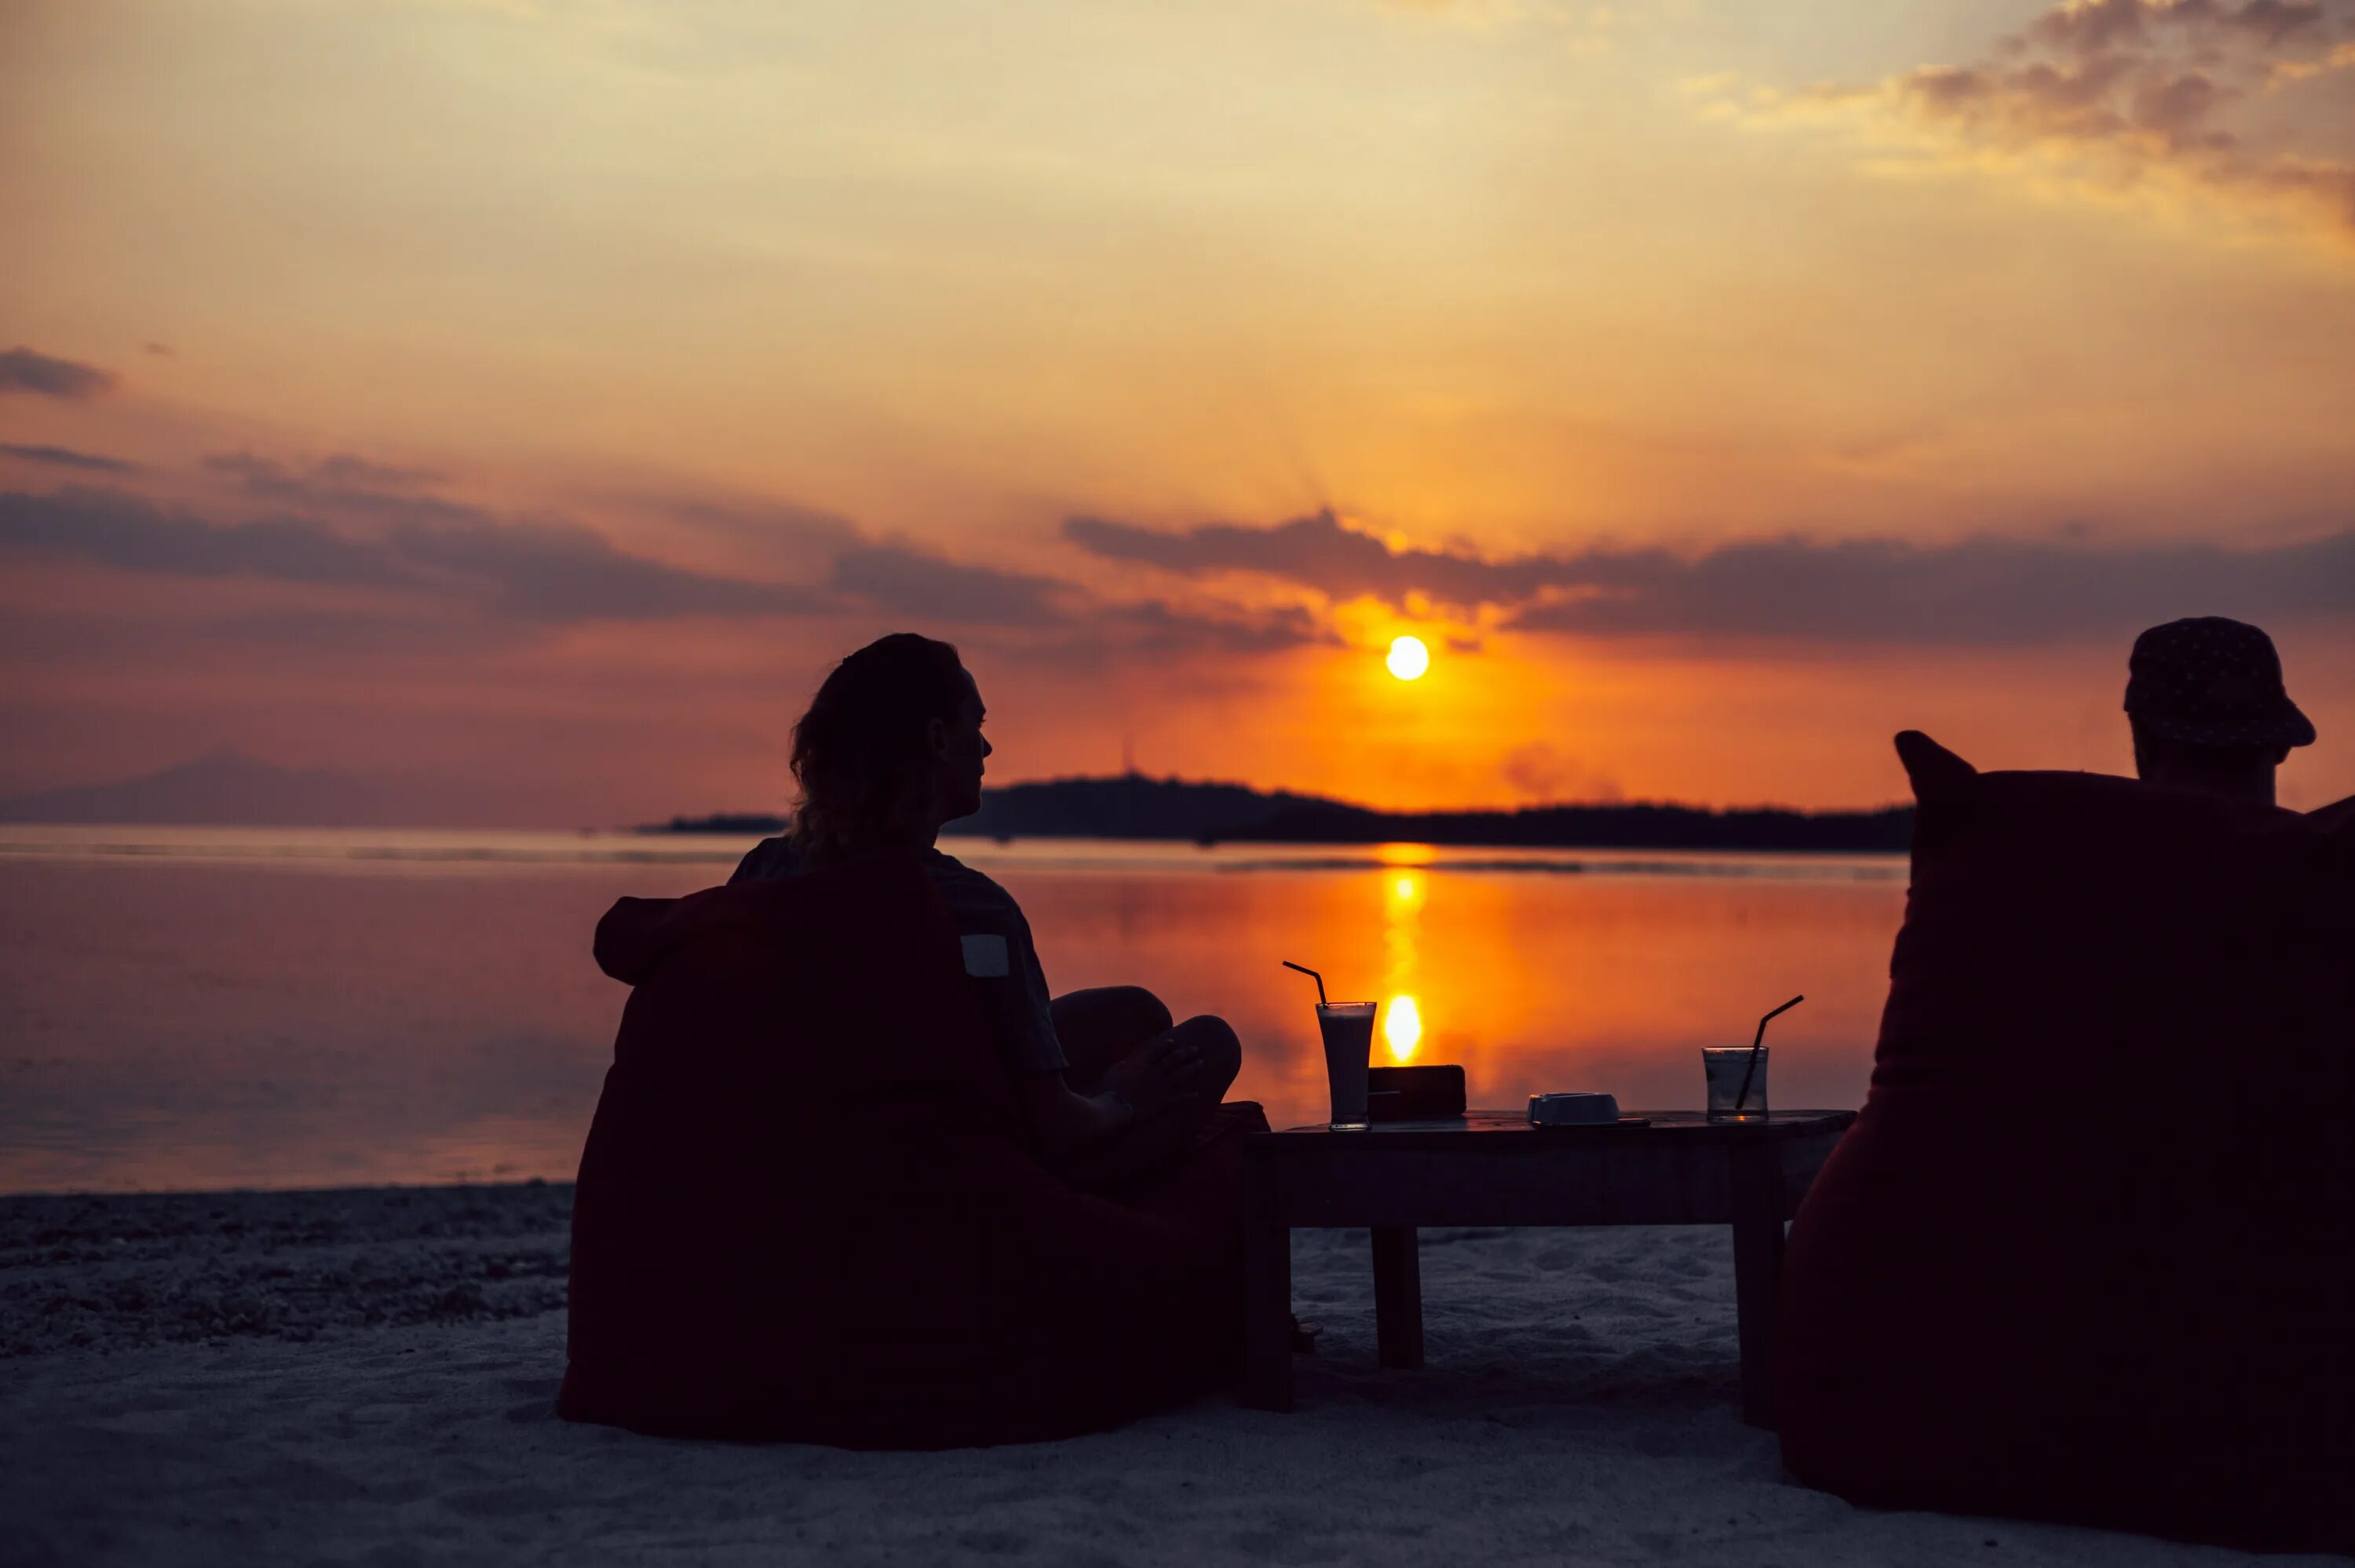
1159,1076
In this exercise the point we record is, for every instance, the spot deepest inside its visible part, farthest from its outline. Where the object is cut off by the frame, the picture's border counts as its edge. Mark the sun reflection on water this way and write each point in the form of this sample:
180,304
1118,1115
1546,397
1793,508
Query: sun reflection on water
1599,980
1402,1027
1402,963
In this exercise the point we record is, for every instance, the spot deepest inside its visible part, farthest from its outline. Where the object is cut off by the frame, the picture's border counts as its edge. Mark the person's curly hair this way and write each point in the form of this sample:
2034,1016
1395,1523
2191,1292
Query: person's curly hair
860,754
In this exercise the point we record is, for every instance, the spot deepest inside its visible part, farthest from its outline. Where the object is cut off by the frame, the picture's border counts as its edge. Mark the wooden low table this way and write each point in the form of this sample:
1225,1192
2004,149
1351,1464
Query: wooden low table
1491,1168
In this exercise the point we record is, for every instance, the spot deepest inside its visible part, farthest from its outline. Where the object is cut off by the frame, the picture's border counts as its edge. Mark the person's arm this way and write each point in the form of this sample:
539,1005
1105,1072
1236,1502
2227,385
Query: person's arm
1001,956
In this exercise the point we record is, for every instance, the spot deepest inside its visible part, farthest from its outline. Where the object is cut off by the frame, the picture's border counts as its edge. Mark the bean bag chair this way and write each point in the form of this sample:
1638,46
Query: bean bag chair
807,1209
2086,1254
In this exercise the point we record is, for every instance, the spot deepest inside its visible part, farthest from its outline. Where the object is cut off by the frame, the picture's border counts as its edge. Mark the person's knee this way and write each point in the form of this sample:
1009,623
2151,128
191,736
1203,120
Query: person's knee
1119,1016
1222,1051
1142,1014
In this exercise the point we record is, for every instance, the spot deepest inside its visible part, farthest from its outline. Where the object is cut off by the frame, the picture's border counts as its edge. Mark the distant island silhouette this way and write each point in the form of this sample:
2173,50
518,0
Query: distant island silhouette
227,787
1131,806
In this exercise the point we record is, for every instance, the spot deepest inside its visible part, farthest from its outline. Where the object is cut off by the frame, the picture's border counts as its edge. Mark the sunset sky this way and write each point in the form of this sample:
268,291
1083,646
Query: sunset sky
525,402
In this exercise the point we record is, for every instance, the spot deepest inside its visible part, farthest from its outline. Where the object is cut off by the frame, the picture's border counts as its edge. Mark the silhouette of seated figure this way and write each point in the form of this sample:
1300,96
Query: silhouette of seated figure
2208,709
840,1186
2088,1251
891,751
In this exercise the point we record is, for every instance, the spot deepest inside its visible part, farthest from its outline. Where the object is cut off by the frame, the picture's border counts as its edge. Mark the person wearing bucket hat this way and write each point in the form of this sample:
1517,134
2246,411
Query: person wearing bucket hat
2205,699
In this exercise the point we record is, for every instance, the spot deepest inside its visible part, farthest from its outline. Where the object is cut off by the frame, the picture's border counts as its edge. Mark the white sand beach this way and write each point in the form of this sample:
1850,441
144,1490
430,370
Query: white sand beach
367,1376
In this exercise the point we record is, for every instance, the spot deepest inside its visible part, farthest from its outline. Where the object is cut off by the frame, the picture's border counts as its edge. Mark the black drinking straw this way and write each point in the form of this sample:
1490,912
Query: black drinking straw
1754,1044
1312,974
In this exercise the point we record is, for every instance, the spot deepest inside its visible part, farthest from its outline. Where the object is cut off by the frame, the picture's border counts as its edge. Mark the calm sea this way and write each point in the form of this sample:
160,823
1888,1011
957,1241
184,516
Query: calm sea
204,1008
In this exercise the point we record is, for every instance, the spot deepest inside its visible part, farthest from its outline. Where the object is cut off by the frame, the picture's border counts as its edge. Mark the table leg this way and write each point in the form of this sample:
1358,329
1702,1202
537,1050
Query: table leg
1756,1173
1398,1296
1267,1294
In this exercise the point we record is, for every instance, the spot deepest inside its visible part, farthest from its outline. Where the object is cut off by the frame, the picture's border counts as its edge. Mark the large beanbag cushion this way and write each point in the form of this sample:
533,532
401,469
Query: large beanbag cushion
806,1210
2086,1253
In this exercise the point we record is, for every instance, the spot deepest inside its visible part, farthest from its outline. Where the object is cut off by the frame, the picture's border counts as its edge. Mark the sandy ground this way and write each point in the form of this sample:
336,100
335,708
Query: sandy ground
367,1377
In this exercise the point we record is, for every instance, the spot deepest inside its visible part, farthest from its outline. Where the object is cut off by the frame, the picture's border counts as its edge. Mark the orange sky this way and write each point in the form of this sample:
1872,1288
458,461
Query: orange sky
526,401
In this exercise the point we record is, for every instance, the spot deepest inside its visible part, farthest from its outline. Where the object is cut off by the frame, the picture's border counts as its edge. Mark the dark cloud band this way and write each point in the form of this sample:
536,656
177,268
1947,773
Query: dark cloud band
912,583
537,572
66,457
373,528
23,370
1979,591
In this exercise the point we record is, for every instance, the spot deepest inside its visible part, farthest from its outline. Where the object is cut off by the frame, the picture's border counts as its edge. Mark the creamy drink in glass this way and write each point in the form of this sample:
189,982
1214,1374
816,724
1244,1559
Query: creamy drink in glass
1347,1028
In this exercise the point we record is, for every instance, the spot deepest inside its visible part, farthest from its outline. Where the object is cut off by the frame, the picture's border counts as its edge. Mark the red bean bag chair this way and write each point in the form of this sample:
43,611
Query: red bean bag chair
806,1210
2088,1251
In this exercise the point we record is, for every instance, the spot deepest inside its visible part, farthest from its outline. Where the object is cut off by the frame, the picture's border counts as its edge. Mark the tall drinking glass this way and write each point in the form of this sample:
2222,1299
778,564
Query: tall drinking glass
1348,1031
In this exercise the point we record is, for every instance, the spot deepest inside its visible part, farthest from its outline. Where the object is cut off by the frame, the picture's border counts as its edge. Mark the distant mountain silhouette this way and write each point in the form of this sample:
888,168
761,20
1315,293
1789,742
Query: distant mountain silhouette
1134,807
222,788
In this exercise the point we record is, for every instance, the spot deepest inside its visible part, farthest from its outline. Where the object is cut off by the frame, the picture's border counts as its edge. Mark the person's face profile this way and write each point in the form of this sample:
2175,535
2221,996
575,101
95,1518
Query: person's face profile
959,751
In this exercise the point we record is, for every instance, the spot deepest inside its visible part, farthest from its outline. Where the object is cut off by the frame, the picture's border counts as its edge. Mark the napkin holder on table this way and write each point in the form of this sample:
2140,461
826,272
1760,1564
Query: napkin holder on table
1422,1093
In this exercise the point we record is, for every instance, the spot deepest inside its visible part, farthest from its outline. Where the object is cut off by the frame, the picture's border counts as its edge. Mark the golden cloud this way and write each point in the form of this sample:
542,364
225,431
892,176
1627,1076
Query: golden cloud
2172,103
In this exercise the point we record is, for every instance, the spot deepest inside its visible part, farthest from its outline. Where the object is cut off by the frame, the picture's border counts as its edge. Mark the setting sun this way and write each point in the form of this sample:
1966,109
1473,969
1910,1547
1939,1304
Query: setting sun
1408,658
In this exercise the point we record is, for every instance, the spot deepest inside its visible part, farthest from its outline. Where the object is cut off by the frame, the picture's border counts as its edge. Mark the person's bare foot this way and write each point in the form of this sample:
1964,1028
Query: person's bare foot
1164,1073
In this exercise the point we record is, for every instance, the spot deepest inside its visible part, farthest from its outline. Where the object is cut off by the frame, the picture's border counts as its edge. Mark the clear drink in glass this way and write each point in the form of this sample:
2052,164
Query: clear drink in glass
1726,1069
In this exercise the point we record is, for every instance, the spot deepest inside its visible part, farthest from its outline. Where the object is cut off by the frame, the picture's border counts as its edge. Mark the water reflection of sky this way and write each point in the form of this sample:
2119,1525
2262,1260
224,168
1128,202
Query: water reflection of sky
1530,983
189,1008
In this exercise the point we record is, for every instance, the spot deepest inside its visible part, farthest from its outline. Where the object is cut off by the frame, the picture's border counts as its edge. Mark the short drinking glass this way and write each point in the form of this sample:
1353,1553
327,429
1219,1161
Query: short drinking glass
1737,1091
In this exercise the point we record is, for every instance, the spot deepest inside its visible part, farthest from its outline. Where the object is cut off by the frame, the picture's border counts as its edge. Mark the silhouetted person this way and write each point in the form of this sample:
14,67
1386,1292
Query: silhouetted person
2208,710
891,751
